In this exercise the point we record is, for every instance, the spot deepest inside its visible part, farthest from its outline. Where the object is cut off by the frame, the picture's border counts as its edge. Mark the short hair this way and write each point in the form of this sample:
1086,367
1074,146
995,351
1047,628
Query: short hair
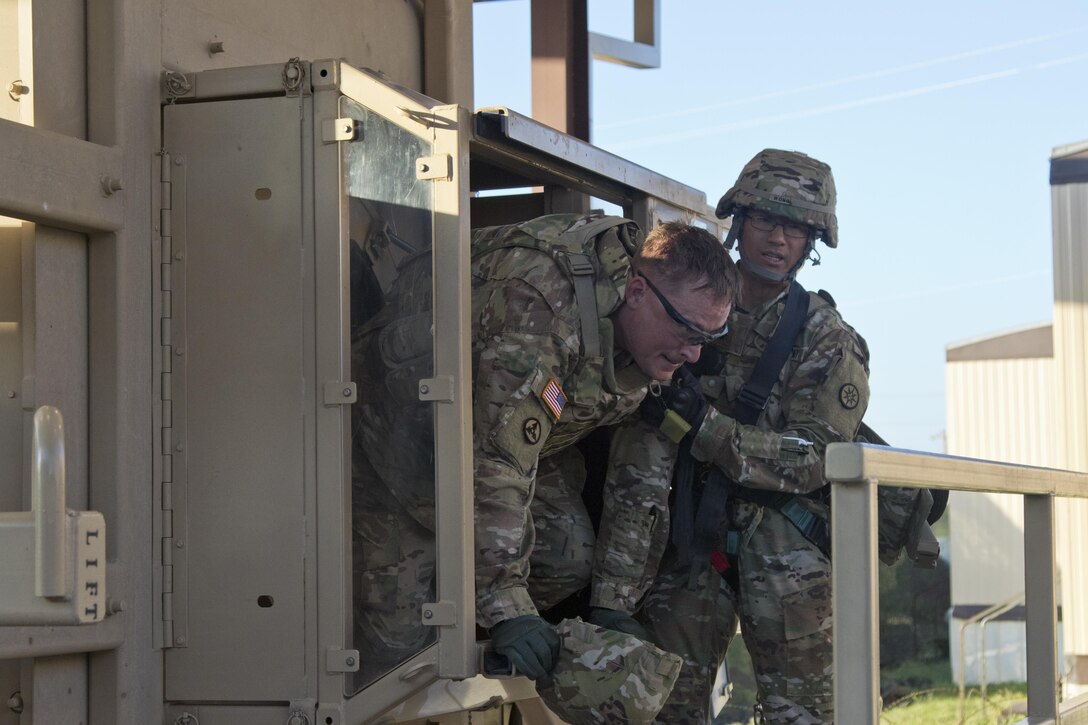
682,254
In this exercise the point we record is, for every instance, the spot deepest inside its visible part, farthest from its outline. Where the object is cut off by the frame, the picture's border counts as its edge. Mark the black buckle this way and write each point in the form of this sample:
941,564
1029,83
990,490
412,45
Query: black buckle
753,399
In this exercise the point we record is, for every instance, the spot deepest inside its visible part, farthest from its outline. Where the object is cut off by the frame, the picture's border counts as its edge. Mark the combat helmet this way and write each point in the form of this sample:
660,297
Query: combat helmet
605,676
788,184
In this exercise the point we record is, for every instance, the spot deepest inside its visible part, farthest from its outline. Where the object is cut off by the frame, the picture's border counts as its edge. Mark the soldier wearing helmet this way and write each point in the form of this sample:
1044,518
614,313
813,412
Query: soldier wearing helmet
572,317
750,511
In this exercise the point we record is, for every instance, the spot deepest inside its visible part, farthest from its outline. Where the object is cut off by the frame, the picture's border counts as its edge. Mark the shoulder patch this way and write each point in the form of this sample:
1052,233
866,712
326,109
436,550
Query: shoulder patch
554,398
531,429
849,396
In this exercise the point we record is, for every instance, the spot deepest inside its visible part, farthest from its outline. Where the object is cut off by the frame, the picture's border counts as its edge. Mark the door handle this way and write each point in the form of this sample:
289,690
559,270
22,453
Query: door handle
52,559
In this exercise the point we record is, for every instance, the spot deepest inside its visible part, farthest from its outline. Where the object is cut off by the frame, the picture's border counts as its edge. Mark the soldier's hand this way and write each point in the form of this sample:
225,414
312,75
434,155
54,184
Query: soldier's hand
619,621
677,409
529,642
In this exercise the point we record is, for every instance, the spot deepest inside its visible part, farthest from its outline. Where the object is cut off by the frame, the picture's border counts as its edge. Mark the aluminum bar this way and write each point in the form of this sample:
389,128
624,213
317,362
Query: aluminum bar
1041,606
899,467
60,181
856,604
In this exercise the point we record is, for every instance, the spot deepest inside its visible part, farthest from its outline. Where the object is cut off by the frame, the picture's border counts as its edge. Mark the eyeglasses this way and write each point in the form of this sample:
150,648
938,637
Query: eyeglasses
766,223
698,336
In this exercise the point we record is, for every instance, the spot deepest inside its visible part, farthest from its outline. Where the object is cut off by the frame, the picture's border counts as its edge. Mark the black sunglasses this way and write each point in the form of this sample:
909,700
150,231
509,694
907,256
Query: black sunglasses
699,336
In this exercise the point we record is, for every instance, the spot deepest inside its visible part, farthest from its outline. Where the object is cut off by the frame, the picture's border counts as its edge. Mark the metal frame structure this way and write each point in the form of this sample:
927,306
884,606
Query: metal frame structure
134,279
855,470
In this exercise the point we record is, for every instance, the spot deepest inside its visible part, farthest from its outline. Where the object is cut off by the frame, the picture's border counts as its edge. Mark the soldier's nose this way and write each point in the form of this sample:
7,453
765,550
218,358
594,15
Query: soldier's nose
691,353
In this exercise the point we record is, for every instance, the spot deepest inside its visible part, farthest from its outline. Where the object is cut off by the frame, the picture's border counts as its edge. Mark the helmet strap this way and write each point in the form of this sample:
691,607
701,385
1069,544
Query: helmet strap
734,229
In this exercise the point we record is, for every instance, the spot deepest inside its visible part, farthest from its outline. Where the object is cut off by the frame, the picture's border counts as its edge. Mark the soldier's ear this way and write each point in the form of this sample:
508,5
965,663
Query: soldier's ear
636,291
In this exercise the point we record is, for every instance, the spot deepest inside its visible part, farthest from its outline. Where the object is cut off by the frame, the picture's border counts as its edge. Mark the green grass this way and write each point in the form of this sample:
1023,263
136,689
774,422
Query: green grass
923,694
941,705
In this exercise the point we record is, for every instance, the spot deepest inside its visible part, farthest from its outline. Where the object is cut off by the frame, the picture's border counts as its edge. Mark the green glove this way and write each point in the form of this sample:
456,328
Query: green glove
529,642
618,621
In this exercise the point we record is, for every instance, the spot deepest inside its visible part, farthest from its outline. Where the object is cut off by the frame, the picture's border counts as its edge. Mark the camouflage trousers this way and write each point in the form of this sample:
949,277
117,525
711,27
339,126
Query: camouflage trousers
782,600
393,558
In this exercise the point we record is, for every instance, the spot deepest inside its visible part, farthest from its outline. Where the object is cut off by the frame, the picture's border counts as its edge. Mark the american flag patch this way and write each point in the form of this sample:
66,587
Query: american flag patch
553,398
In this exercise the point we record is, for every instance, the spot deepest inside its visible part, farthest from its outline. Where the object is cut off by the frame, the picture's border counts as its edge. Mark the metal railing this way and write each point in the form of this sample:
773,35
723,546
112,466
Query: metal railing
854,470
981,619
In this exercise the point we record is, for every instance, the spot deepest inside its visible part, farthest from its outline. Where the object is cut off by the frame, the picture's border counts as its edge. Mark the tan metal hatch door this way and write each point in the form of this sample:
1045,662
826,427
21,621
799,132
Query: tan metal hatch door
240,409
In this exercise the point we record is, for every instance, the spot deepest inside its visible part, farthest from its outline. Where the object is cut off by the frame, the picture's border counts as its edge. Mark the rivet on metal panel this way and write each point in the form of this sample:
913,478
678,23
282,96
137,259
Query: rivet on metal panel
438,389
339,393
15,702
17,90
110,185
179,544
179,640
339,129
342,660
439,614
434,167
186,718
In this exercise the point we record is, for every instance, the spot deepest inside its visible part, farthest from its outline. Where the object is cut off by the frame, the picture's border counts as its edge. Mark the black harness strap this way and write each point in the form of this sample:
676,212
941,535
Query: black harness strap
752,401
694,532
754,394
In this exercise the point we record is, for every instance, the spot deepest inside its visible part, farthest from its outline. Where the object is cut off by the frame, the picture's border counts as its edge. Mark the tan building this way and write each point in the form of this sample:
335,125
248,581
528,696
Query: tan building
1020,397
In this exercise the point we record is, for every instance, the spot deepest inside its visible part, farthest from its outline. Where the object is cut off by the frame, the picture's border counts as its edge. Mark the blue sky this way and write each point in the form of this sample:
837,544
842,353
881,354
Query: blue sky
938,119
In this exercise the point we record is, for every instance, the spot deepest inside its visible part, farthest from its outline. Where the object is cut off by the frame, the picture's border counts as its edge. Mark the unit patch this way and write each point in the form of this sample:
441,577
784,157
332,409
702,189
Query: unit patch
531,429
849,396
554,398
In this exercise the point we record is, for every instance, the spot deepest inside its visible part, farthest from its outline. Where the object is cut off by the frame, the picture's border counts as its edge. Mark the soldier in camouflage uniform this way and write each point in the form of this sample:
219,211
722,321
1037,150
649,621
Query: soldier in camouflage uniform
760,566
538,387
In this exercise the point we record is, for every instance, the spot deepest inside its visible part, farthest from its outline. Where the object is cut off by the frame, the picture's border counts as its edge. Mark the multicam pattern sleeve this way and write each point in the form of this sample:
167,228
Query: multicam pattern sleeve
634,525
822,400
520,345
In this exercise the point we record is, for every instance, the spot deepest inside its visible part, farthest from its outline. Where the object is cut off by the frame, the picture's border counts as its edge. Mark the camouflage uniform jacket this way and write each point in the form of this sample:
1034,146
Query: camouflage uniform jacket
821,395
535,393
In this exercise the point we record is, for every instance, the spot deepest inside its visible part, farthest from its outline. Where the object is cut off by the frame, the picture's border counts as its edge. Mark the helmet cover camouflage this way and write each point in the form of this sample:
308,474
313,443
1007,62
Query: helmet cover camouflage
788,184
605,676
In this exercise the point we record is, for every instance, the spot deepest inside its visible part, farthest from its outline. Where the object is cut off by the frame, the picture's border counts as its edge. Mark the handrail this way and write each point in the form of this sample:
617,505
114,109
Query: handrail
856,462
984,616
855,470
982,648
47,501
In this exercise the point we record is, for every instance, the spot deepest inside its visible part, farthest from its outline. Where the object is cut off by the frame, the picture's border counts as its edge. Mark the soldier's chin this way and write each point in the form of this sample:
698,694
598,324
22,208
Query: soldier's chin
663,372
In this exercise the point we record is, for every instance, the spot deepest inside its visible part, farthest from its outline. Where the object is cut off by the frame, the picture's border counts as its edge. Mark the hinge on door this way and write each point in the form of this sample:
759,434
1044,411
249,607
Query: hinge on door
164,529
